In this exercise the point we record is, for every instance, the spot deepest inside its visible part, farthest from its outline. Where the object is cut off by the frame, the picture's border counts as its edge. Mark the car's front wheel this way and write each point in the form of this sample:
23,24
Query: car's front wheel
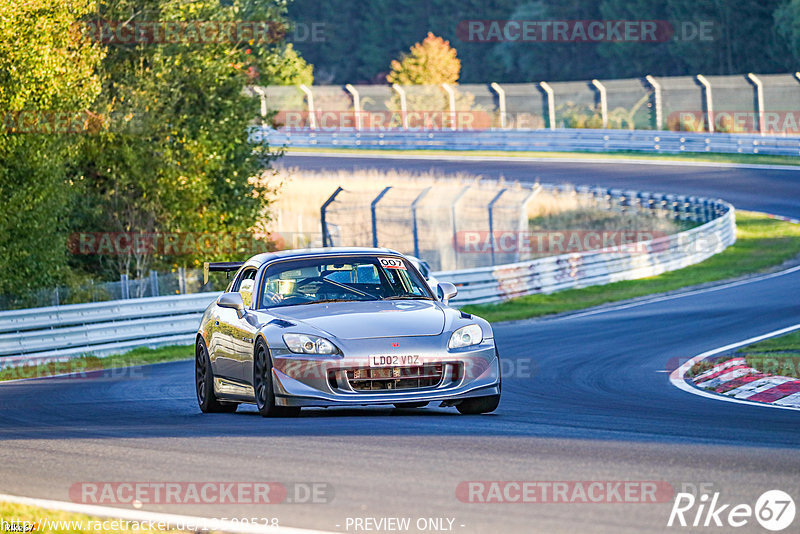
204,382
262,385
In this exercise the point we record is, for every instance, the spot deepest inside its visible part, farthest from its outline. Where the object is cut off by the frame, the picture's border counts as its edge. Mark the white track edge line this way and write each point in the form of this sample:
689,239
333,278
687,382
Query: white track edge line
170,519
678,377
556,159
663,298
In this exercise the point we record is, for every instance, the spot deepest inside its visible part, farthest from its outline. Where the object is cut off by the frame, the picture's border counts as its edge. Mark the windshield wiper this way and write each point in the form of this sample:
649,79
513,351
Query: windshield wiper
407,297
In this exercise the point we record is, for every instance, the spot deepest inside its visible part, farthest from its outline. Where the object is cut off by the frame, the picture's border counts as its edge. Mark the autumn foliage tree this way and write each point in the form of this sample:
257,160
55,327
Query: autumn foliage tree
431,62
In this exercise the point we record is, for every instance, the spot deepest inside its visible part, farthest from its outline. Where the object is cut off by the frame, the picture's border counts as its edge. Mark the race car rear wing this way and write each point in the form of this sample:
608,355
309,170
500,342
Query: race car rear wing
220,266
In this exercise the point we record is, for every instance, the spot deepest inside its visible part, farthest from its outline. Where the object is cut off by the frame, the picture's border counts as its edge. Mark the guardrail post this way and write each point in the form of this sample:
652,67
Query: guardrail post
551,105
372,207
356,104
312,118
657,101
403,105
322,211
123,286
501,102
182,280
759,100
601,89
708,101
491,221
154,283
415,229
451,97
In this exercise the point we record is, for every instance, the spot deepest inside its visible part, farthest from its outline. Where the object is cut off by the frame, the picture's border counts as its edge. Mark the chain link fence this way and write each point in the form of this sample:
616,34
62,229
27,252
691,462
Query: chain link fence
731,104
180,282
467,225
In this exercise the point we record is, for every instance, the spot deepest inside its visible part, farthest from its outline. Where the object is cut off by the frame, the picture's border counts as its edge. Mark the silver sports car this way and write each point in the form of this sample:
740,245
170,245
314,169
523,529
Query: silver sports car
340,327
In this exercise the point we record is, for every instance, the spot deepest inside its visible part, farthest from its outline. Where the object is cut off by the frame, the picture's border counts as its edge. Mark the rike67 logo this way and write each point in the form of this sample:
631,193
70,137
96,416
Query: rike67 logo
774,510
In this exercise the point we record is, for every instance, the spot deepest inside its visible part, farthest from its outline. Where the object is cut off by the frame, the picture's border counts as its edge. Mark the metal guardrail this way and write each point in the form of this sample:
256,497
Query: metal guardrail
559,140
58,333
100,328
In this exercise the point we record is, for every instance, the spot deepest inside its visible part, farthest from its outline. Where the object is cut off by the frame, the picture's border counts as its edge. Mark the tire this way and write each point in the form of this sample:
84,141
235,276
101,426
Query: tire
479,405
404,405
262,385
204,383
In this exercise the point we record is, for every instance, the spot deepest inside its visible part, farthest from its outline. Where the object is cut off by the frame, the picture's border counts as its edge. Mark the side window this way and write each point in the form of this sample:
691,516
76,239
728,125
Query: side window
244,284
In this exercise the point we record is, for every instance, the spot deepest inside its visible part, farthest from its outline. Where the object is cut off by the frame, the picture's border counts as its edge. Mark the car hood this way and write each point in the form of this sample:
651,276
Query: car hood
360,320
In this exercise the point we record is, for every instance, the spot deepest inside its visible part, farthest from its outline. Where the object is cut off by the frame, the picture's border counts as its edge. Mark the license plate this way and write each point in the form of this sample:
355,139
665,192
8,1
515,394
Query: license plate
394,360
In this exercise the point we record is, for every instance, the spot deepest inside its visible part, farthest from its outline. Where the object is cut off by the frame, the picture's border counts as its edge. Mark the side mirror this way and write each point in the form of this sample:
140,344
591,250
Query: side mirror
232,300
446,291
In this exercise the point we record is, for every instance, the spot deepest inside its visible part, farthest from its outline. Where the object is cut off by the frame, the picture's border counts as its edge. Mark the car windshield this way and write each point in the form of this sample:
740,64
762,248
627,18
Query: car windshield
341,278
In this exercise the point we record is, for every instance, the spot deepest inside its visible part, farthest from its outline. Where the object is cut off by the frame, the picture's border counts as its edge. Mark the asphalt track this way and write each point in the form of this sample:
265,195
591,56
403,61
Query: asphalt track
585,397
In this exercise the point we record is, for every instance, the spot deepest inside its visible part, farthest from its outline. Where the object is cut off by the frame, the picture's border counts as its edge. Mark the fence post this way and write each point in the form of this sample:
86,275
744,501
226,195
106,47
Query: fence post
453,220
403,105
523,217
262,94
501,102
709,103
451,96
123,288
312,118
356,104
657,101
154,283
601,89
372,207
414,218
551,105
322,210
759,87
491,220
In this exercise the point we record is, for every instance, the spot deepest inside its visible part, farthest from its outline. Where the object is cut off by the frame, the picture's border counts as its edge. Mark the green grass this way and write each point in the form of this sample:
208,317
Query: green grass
620,154
42,519
776,356
86,363
762,243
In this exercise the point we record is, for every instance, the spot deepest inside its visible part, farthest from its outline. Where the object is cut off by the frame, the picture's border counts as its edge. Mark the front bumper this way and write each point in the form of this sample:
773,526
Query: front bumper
302,380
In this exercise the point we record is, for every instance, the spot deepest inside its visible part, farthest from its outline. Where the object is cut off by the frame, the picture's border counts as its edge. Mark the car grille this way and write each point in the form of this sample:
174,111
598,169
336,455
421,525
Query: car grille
392,378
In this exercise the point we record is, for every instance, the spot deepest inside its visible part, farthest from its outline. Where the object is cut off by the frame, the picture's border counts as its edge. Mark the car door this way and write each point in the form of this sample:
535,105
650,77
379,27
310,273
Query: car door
231,338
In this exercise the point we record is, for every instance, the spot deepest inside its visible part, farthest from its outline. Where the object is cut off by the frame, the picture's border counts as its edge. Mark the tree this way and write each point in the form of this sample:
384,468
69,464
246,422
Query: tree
177,158
45,67
431,62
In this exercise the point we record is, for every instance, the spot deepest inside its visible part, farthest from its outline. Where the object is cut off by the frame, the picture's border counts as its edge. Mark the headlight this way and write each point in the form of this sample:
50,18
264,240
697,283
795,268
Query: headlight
466,336
305,344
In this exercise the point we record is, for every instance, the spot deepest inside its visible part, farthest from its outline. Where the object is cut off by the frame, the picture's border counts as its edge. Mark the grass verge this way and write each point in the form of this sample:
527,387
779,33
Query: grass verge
752,159
87,363
762,243
36,519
